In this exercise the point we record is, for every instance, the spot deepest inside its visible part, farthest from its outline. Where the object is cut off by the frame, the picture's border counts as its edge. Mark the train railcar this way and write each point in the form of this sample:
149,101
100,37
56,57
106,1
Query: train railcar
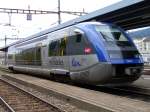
90,52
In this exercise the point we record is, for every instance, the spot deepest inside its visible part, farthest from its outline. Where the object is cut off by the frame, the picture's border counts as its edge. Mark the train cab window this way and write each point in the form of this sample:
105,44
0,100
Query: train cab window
112,34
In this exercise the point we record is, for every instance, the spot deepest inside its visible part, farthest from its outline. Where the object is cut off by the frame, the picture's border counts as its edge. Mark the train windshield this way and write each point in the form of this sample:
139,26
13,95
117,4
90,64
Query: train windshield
112,34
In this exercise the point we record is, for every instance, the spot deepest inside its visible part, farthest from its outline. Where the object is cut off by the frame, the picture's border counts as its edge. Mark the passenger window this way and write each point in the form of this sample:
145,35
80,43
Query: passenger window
78,43
78,38
58,47
31,56
53,45
78,34
53,48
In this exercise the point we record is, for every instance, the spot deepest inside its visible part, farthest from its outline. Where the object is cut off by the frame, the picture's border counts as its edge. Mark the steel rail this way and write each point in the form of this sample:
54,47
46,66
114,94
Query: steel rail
10,109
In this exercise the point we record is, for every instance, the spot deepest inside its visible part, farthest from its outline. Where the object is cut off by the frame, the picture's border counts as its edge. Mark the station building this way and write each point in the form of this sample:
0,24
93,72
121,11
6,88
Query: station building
141,39
143,46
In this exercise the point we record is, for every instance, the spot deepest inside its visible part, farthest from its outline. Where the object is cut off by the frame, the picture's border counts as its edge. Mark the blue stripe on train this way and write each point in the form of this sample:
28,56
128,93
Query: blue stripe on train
126,61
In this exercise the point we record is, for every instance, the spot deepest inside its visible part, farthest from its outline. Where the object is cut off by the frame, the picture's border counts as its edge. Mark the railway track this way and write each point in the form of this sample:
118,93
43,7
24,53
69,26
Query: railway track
134,92
15,99
131,92
5,69
146,70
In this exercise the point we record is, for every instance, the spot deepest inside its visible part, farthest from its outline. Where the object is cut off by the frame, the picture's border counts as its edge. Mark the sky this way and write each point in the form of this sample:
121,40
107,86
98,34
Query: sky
22,28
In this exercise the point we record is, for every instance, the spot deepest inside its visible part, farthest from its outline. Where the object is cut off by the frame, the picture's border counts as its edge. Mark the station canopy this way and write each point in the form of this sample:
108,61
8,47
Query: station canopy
129,14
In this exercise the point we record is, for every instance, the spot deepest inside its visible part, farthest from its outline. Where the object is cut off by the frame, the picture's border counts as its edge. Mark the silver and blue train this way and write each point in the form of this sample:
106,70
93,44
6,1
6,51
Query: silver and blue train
90,53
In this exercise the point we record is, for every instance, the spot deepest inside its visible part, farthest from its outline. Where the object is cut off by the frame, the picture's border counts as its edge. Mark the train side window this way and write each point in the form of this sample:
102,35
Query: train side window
78,43
52,45
58,47
52,48
78,34
78,38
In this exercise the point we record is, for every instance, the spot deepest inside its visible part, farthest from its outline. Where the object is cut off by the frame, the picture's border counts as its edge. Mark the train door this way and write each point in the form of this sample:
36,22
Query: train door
57,56
37,56
44,55
62,52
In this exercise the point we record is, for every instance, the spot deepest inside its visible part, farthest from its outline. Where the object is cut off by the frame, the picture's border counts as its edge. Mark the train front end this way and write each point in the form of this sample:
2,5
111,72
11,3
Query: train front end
116,50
